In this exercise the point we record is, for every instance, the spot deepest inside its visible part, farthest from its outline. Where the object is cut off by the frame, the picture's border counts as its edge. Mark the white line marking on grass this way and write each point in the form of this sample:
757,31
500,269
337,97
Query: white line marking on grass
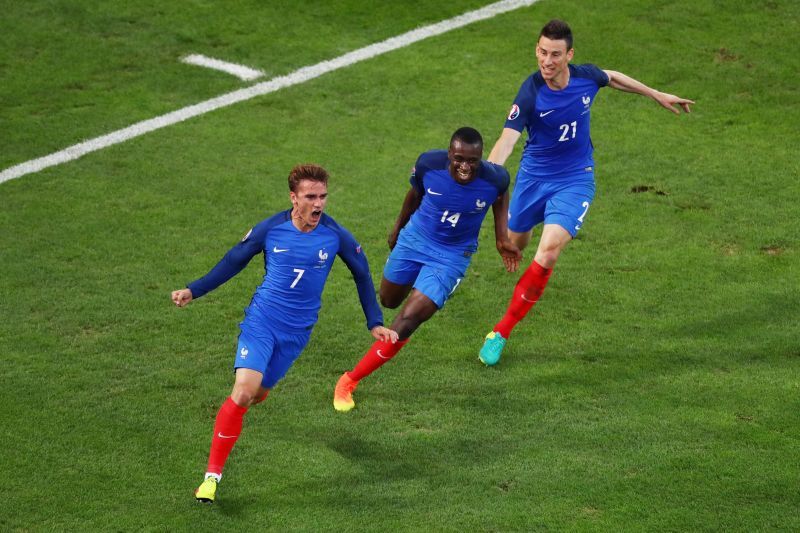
298,76
240,71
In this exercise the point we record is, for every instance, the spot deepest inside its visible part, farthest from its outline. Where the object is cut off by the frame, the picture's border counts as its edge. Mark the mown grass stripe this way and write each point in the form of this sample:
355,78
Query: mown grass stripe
275,84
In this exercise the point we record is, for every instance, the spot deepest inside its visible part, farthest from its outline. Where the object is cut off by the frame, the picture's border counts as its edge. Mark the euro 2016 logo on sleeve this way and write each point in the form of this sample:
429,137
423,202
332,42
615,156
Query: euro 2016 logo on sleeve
514,113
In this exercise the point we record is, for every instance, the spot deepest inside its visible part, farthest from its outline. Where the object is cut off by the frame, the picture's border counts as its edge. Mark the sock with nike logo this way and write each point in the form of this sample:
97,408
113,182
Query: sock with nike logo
227,428
379,353
526,293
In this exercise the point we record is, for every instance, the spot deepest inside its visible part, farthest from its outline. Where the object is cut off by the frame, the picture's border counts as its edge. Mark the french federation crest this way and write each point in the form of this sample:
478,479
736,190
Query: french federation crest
586,100
323,256
480,204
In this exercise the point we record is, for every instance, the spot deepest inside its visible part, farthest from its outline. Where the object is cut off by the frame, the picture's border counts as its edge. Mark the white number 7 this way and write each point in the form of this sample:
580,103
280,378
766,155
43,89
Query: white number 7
300,272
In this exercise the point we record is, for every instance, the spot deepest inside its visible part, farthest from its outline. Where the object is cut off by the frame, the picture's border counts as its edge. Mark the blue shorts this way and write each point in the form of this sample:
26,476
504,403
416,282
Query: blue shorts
269,350
553,202
434,271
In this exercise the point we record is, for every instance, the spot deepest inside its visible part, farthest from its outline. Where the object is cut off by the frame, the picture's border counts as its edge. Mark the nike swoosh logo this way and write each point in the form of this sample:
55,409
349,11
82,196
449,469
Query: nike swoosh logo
435,193
529,301
546,113
220,435
382,356
278,250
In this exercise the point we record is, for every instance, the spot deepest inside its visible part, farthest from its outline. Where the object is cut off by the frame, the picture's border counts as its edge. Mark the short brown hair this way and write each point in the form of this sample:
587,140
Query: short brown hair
307,171
557,30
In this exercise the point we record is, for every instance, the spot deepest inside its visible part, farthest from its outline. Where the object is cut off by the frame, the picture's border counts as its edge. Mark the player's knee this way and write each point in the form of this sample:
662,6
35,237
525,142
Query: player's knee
520,240
242,396
261,397
390,302
547,254
547,258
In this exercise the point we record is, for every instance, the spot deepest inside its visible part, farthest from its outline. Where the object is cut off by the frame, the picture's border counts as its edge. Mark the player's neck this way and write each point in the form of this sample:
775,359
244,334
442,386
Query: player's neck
301,224
559,83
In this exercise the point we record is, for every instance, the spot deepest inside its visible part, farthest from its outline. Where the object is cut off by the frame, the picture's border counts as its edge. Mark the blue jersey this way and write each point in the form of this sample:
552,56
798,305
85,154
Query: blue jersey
557,123
451,213
297,265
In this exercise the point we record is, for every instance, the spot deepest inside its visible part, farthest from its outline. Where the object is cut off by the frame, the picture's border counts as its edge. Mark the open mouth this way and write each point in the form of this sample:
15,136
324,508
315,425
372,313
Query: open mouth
464,174
317,213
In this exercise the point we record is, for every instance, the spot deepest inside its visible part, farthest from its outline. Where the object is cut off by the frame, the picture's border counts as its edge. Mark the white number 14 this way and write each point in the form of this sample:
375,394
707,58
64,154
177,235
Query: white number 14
452,219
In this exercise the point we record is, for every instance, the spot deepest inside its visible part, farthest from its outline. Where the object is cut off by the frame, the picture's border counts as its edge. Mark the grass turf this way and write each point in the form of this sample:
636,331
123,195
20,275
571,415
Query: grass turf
654,387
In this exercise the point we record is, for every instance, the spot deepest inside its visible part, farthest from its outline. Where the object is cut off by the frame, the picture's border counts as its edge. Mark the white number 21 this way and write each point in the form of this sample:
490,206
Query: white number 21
565,131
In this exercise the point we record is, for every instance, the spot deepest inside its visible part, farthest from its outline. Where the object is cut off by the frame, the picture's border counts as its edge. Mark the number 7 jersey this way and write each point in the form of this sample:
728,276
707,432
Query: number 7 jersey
296,267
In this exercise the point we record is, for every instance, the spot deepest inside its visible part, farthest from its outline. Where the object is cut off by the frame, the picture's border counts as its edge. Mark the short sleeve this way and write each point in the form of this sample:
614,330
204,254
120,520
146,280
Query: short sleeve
592,72
523,106
418,172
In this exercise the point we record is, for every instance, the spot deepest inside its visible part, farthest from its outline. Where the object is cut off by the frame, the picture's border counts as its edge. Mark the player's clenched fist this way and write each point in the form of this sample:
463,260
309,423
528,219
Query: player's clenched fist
182,297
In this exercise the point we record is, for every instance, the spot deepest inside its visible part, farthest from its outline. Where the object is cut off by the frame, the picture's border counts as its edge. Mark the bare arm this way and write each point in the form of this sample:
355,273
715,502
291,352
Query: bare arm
622,82
504,146
508,250
410,204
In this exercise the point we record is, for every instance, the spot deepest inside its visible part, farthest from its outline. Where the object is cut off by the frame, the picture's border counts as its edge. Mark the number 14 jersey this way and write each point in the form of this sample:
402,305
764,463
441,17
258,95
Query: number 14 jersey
451,213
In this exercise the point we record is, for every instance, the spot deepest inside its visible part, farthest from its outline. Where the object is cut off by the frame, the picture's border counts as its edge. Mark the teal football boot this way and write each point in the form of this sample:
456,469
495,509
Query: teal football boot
492,349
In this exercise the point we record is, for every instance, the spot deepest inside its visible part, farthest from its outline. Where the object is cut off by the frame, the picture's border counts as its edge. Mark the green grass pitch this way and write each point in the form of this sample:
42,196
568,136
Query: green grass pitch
654,387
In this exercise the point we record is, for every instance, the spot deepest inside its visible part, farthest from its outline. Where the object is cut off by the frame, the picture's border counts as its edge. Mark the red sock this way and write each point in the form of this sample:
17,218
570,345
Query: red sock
379,353
527,292
227,428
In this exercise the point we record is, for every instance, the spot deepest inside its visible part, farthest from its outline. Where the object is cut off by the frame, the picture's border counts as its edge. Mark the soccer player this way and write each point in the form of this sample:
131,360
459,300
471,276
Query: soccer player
432,243
555,181
299,247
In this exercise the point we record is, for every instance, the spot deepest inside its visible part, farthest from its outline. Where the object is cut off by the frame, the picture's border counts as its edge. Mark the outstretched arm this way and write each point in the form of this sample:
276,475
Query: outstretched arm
508,250
622,82
504,146
410,204
356,261
231,264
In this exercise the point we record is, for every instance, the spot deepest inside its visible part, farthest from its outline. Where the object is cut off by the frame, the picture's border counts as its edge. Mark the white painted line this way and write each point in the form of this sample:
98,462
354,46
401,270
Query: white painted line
265,87
240,71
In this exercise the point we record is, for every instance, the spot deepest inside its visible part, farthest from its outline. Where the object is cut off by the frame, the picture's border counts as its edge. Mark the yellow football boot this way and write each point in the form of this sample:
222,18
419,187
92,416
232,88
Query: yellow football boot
207,490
